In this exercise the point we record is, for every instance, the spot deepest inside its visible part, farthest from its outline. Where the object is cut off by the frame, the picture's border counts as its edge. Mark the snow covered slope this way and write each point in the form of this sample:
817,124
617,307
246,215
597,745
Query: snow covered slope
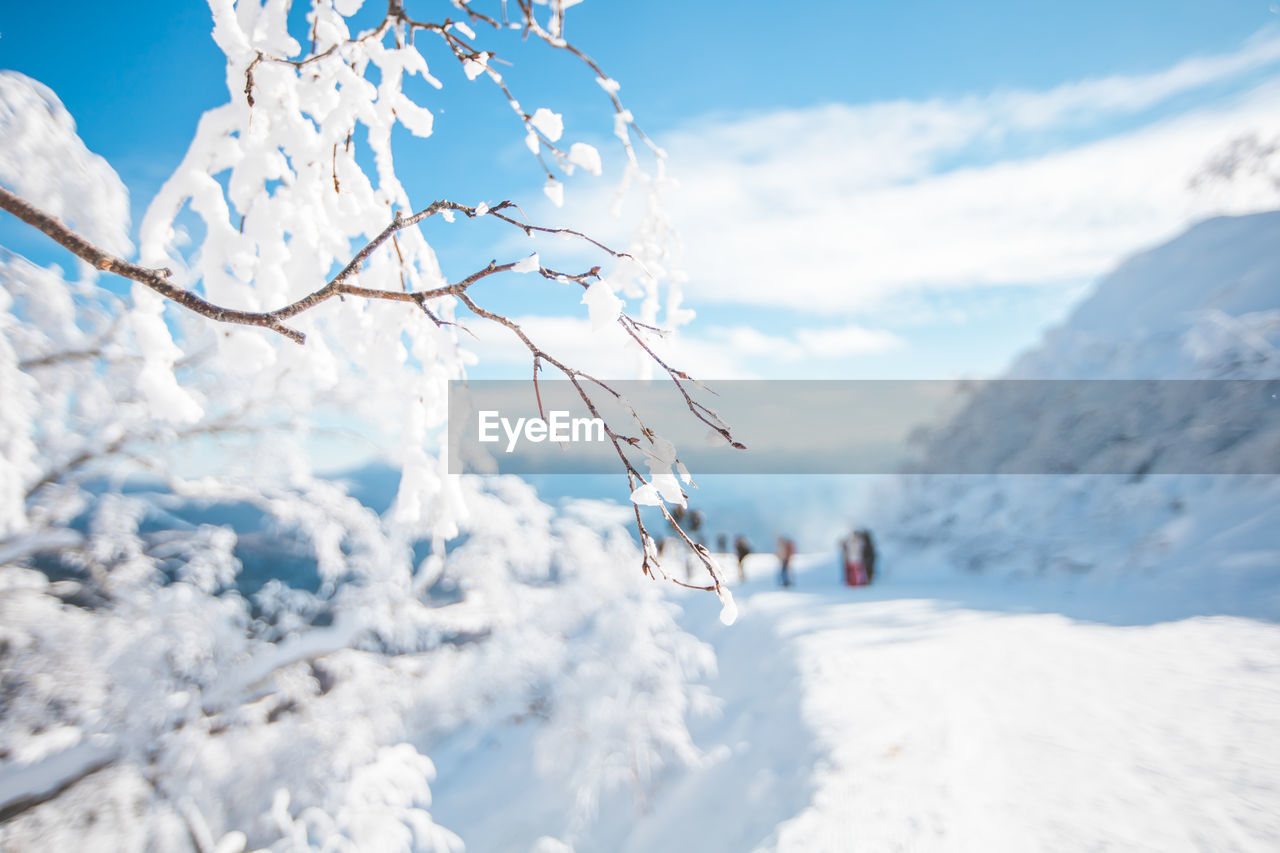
956,714
1204,306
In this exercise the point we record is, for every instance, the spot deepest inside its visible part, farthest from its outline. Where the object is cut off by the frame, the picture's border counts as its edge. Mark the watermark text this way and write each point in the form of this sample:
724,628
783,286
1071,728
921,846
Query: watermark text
560,427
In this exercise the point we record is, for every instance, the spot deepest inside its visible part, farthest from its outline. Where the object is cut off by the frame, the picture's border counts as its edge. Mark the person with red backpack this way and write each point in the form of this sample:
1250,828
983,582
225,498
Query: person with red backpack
859,554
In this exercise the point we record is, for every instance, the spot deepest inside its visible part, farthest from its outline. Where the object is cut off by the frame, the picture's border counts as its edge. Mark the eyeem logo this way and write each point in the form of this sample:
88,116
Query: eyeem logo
559,428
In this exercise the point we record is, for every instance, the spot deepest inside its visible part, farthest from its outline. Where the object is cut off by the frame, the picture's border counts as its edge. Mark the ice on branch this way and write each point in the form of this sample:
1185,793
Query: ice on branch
18,450
549,124
646,495
622,124
728,607
585,156
464,29
529,264
168,400
603,306
554,190
659,457
418,120
473,68
43,160
347,8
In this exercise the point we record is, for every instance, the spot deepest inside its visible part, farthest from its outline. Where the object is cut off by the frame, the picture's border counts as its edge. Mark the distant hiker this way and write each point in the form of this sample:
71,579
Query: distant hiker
851,560
870,555
786,550
742,548
859,558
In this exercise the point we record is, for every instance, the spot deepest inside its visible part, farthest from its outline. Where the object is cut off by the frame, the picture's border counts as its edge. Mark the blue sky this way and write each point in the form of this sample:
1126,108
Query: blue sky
829,154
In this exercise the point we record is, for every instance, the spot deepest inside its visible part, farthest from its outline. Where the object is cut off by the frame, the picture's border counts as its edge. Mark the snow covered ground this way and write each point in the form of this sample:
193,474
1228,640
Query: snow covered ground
939,712
1069,662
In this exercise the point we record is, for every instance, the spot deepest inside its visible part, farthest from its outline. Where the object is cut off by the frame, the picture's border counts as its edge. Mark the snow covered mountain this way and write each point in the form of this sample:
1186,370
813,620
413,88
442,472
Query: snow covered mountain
1203,306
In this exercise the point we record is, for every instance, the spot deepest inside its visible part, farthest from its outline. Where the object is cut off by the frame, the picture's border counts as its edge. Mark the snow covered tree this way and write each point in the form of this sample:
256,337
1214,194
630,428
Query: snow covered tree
165,682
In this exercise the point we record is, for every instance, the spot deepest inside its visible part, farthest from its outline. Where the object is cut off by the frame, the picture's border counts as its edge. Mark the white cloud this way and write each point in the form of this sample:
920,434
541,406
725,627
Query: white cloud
816,228
720,352
845,341
882,143
847,210
1092,99
807,344
839,207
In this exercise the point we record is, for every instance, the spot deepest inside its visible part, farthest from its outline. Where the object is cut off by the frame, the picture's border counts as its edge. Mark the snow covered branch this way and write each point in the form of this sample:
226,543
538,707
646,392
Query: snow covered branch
192,623
340,285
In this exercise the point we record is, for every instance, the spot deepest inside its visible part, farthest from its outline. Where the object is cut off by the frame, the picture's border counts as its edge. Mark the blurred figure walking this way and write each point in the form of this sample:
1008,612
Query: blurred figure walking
869,554
742,548
786,550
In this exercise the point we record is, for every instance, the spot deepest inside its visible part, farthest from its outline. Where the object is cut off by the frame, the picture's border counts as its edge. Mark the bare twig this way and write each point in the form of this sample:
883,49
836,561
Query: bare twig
339,285
157,279
634,477
342,284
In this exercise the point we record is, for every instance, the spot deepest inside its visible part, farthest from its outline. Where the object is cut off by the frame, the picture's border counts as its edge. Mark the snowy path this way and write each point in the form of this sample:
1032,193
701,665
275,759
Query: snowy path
934,717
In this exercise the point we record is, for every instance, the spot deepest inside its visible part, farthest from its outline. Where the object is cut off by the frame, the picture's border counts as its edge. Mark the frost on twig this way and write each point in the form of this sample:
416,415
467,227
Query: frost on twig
239,272
192,622
660,486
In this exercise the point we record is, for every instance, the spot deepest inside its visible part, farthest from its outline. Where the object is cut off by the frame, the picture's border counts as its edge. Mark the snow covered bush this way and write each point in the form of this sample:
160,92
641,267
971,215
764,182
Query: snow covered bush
205,646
